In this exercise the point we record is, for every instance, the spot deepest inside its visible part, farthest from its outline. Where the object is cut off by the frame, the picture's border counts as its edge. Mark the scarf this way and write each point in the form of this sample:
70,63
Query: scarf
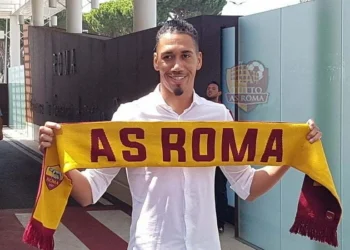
186,144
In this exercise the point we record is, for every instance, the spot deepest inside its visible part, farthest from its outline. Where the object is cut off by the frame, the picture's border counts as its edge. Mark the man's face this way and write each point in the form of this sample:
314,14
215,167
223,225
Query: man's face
177,60
213,91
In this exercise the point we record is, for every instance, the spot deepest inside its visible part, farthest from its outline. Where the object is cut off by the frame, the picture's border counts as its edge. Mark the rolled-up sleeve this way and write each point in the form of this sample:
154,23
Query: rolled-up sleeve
239,177
100,179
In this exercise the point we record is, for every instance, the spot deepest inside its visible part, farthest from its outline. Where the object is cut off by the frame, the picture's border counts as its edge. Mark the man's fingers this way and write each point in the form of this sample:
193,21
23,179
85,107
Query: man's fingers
52,125
46,134
315,133
316,137
44,145
45,138
312,133
46,130
311,124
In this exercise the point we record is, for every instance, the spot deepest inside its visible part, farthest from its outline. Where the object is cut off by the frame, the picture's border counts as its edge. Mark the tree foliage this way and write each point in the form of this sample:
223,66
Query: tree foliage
3,24
61,19
115,18
187,8
2,48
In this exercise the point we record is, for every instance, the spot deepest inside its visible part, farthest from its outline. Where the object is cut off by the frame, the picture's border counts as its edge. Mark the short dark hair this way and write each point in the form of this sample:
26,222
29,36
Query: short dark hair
216,83
178,26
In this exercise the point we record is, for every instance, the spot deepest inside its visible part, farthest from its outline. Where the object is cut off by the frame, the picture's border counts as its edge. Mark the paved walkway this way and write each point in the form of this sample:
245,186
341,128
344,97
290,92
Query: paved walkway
102,226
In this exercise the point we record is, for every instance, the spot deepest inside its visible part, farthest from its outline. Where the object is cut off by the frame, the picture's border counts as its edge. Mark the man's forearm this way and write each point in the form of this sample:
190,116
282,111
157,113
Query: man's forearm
264,179
81,191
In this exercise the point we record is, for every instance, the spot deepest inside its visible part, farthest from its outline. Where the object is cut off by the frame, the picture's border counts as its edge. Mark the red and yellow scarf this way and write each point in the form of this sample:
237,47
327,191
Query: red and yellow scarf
186,144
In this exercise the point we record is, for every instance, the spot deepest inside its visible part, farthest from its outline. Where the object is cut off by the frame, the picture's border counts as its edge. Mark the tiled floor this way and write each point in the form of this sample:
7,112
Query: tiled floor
21,137
229,243
82,229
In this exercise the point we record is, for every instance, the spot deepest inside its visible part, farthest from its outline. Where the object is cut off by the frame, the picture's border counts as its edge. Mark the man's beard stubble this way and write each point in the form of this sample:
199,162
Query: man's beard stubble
178,91
213,99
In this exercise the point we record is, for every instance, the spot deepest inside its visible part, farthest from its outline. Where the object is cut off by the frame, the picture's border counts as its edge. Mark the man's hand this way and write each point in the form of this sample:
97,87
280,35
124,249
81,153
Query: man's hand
46,135
315,133
265,178
81,191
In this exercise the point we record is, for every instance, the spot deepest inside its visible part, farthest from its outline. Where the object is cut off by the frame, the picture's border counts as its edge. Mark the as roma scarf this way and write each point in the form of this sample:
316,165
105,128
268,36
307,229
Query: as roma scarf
186,144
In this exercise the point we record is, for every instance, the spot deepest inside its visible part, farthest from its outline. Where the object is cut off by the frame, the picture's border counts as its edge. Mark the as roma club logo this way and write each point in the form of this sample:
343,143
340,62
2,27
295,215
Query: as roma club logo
247,85
53,177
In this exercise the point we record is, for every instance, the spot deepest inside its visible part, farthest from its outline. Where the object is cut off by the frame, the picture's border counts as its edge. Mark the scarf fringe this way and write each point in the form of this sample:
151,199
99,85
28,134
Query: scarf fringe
36,236
315,231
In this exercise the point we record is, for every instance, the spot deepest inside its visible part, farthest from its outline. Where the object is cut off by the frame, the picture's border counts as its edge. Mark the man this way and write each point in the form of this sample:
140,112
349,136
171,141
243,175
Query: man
221,201
173,208
1,125
214,92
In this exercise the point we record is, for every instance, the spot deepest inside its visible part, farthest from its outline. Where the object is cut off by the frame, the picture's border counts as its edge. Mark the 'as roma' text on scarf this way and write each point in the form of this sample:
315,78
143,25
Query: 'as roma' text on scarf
186,144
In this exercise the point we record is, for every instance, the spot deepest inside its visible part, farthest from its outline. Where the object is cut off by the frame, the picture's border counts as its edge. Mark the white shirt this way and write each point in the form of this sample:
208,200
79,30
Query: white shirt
173,208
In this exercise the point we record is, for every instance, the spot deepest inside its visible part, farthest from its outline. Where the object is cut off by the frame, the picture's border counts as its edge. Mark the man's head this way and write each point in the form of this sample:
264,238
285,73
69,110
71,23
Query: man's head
177,57
213,91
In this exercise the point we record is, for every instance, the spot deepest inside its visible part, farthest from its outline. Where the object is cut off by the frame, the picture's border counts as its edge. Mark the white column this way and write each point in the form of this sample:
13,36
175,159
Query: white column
145,14
53,21
38,12
21,19
95,4
53,3
15,42
74,16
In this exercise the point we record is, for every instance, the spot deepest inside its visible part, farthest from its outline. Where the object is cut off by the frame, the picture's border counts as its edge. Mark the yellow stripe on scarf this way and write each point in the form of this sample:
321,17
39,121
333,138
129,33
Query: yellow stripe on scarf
177,144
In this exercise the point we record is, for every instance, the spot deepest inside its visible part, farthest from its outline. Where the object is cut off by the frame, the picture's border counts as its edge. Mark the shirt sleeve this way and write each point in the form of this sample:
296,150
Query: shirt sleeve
100,179
239,177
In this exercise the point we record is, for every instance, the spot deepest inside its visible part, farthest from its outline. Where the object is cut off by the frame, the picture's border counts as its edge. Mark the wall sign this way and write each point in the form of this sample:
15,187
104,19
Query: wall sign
247,85
64,63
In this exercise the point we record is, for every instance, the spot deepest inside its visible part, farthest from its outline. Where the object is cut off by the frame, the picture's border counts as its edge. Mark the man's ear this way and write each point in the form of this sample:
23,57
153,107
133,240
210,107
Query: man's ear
199,58
155,61
220,93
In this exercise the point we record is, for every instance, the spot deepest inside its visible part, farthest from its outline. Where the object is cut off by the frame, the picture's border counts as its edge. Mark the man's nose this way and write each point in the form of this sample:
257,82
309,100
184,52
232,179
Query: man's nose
177,65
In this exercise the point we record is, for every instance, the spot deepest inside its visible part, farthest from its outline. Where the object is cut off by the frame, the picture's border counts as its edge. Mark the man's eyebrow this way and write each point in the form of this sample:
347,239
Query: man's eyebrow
171,52
187,51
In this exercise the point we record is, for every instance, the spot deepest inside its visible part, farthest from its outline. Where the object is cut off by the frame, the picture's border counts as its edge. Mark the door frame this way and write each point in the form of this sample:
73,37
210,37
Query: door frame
236,214
4,103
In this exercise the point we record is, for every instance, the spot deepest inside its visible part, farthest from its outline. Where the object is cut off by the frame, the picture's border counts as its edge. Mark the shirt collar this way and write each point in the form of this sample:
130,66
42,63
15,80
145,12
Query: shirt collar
159,100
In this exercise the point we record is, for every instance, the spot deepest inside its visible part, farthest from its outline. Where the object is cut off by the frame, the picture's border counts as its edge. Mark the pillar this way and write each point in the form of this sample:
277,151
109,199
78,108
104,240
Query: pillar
74,16
53,20
21,19
95,4
53,3
15,42
145,14
38,12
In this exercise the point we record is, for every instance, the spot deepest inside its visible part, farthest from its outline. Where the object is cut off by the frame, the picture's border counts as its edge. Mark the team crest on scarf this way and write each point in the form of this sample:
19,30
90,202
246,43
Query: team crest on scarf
53,177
